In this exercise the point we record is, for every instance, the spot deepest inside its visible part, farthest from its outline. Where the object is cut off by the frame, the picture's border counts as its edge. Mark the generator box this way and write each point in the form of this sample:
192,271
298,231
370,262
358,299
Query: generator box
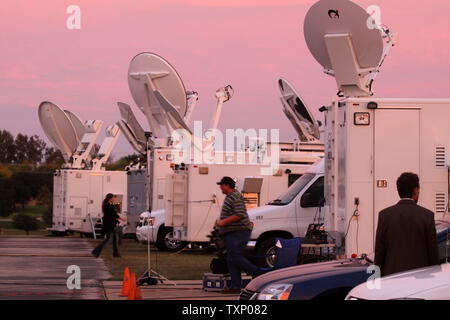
217,282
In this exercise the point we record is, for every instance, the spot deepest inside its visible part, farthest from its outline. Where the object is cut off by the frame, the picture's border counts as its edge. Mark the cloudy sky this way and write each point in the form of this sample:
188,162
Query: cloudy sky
246,43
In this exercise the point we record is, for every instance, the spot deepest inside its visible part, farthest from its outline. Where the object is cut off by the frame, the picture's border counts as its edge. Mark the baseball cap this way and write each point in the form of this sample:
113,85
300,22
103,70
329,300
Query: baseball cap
228,181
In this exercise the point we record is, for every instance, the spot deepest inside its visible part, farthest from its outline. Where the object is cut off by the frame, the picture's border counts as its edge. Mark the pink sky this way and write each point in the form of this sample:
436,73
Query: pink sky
247,43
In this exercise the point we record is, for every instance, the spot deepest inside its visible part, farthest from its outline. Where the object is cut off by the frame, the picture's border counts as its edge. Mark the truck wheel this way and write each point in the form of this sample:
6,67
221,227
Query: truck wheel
266,253
165,243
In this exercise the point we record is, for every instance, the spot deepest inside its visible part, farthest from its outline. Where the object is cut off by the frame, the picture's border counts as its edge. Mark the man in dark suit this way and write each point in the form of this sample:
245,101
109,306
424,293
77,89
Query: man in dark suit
406,233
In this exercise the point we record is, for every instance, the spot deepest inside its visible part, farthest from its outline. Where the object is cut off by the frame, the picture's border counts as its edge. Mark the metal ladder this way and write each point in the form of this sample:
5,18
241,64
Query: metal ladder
179,199
96,227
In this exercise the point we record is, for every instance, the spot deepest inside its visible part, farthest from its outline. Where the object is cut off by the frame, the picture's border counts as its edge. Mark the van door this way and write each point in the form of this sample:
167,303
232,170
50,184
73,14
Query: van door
96,195
77,212
397,150
308,205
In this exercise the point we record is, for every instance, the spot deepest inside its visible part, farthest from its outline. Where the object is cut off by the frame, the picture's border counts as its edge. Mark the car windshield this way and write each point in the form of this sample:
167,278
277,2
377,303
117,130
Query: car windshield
293,190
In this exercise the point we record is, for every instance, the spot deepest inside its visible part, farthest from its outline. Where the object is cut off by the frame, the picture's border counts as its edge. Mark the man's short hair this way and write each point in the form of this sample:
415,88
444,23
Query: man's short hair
406,184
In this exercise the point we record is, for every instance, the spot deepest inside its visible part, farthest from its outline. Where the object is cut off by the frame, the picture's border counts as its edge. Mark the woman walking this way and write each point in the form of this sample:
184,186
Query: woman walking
110,221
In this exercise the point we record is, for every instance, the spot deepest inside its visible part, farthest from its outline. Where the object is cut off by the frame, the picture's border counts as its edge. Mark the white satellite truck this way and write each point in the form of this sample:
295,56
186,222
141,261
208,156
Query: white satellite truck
369,141
80,186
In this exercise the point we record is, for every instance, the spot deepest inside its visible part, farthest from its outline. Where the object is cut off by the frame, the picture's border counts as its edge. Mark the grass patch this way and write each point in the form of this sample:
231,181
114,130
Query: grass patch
187,265
32,211
17,232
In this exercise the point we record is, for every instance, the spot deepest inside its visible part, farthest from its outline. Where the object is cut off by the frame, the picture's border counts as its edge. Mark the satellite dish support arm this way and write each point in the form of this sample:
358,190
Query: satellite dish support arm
112,135
83,152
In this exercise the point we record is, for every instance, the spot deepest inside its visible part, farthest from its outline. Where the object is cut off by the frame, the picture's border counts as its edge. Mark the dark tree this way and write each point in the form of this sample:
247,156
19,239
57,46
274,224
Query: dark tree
6,147
25,222
28,149
22,190
53,156
7,202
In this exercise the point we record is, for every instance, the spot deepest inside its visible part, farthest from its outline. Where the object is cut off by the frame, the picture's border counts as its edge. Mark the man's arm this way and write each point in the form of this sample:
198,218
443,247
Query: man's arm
433,249
380,248
233,218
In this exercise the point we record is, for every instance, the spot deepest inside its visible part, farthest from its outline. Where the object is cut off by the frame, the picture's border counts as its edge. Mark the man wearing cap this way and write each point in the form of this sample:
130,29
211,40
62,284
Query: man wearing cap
235,225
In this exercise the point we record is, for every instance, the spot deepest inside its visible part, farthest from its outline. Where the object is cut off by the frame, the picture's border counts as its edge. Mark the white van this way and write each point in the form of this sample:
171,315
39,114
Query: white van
289,215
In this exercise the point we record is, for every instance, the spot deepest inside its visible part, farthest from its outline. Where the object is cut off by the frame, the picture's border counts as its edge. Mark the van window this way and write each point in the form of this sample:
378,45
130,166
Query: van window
293,190
314,195
292,178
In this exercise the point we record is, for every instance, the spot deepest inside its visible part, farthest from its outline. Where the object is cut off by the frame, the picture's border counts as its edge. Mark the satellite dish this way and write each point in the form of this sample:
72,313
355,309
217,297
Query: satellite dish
339,38
58,128
78,125
298,113
159,92
131,128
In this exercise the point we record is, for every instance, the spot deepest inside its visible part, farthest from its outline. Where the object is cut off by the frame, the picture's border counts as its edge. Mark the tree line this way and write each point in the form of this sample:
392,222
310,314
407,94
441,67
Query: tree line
26,171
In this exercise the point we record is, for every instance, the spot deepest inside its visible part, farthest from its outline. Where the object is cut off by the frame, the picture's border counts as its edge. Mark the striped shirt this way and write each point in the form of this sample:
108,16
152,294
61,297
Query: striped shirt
234,205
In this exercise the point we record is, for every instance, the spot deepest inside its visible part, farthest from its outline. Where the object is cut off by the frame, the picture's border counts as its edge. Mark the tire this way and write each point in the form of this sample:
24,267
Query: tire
265,252
163,242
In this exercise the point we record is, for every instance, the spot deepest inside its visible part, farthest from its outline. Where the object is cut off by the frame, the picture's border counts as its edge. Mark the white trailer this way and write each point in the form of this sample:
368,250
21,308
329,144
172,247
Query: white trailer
78,197
370,142
81,185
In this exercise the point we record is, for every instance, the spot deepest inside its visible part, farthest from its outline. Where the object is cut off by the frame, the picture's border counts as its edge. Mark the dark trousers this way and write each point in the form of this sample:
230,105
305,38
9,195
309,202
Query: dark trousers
109,235
236,261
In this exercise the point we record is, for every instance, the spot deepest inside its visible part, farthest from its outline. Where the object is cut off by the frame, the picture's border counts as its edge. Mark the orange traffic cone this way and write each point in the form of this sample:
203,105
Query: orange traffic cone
125,283
132,290
137,293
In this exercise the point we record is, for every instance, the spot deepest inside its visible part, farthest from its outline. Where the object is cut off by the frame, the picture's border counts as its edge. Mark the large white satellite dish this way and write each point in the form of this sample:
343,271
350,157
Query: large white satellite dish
159,92
341,38
58,128
298,113
78,125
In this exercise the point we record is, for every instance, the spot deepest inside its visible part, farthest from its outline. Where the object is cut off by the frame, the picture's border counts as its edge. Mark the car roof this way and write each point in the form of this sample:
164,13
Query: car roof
405,284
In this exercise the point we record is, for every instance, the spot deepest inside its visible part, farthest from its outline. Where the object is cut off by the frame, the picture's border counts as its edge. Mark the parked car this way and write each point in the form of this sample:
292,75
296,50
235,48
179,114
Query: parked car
431,283
325,280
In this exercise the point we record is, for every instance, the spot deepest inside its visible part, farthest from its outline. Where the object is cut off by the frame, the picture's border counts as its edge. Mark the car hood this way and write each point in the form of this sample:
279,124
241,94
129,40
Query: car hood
156,214
305,272
407,284
266,210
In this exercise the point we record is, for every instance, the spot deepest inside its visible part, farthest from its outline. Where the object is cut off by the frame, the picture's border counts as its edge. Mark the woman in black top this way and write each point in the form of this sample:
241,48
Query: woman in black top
110,221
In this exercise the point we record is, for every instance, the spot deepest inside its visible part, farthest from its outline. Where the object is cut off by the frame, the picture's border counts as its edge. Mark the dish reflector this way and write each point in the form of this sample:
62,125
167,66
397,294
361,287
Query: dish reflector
58,128
131,128
298,113
339,38
78,125
159,92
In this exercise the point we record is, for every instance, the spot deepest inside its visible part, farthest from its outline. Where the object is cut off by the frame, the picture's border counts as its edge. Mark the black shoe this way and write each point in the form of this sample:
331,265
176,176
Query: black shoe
116,255
95,253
